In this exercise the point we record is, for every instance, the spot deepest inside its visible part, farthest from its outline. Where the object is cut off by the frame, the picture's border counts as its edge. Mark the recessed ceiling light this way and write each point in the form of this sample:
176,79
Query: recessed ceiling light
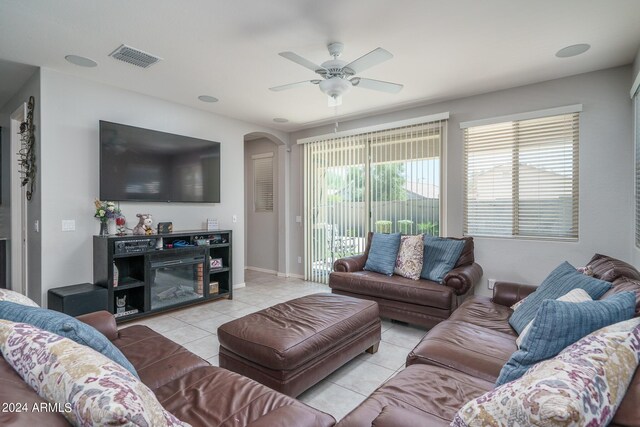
81,61
280,120
207,98
573,50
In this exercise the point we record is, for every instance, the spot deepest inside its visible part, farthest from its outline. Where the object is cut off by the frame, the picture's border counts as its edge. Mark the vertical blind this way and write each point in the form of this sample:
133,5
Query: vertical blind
335,186
521,178
386,181
263,182
404,169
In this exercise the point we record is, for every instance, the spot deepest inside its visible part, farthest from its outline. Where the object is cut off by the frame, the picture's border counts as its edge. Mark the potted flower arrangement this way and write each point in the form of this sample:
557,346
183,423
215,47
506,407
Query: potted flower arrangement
104,212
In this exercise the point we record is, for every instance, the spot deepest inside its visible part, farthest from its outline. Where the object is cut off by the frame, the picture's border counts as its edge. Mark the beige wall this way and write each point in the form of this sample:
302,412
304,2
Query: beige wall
606,171
34,241
262,233
71,108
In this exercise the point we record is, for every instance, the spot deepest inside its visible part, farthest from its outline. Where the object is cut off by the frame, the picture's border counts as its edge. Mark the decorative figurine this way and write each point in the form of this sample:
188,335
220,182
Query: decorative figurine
144,225
121,304
121,230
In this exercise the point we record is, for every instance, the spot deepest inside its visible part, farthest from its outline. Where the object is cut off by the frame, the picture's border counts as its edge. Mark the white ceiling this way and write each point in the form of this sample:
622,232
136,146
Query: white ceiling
229,49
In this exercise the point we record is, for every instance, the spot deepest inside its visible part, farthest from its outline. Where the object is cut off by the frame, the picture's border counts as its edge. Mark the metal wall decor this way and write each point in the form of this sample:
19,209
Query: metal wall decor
27,153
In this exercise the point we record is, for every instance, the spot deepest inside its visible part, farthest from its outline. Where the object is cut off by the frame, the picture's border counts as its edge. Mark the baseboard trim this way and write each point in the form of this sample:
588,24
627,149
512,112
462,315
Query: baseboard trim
262,270
276,273
240,285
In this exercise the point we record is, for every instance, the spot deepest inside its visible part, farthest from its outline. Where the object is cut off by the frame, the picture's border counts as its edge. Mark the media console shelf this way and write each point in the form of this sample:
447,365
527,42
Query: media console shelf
145,275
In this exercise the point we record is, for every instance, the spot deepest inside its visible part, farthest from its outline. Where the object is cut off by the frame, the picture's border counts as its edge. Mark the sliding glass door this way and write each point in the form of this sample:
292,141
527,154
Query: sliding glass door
385,181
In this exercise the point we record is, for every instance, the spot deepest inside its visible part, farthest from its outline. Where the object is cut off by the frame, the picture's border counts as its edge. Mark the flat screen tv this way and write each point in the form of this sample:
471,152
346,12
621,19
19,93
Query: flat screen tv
151,166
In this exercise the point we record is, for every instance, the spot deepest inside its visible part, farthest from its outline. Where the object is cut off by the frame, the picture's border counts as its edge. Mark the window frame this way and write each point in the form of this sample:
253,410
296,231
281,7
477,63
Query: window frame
266,203
513,144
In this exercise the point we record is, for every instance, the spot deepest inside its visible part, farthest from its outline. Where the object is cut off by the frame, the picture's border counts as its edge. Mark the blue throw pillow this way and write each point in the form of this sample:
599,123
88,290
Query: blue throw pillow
383,253
559,324
440,256
66,326
561,280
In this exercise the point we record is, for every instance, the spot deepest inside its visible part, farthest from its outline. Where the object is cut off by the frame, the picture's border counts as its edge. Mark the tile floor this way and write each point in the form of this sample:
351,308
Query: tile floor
195,328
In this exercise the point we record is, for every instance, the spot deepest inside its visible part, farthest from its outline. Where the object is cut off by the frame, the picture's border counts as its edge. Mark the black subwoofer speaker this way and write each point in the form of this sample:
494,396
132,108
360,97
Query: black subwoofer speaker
79,299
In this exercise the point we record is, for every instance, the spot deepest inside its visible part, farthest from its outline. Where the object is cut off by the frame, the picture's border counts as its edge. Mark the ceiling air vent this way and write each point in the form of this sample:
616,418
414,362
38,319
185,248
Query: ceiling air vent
134,56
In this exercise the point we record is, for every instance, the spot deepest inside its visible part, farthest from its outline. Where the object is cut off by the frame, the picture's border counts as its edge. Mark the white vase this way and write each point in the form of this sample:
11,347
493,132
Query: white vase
111,226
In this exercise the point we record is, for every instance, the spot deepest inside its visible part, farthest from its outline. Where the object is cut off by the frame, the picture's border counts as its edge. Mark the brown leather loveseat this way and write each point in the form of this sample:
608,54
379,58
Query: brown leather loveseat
421,302
186,385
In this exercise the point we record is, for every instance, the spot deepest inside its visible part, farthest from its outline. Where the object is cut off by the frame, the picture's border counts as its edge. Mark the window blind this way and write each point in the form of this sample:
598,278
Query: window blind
405,179
521,178
263,183
335,187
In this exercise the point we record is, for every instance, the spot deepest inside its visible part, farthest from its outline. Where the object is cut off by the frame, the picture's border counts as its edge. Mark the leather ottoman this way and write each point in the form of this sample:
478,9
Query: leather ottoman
293,345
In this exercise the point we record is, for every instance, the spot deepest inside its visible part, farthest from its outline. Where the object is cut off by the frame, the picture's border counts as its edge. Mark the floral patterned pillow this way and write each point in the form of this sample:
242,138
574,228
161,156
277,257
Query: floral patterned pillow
410,255
12,296
89,388
586,270
581,386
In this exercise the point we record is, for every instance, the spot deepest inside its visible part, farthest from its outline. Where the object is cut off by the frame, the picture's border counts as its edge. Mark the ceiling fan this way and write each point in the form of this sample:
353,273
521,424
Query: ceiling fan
338,77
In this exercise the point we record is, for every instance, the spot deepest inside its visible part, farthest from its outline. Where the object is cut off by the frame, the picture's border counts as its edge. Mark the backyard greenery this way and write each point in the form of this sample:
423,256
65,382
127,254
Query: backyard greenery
383,227
405,226
430,228
387,183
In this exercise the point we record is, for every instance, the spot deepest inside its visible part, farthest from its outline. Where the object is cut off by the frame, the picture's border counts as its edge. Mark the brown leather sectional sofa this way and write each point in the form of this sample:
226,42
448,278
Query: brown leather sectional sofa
457,361
186,385
420,302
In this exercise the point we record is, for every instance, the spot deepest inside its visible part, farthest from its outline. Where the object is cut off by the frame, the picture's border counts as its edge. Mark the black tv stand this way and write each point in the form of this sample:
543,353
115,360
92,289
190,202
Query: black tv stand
161,272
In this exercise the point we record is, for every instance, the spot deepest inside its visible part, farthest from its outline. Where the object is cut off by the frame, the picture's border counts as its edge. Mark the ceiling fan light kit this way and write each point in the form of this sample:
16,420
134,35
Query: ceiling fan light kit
335,86
338,76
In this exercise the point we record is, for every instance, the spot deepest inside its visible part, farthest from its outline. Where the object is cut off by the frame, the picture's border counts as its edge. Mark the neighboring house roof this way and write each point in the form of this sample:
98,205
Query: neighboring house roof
421,190
483,185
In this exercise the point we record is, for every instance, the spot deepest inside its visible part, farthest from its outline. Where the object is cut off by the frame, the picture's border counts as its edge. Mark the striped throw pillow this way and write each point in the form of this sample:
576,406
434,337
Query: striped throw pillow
440,256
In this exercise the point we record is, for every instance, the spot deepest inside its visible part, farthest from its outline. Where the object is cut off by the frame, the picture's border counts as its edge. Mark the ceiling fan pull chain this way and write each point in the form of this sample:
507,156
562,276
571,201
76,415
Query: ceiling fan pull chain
335,115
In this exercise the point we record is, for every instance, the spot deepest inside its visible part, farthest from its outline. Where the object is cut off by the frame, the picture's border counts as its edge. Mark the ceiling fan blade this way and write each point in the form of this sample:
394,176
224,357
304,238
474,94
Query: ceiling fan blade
301,61
377,85
293,85
367,61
